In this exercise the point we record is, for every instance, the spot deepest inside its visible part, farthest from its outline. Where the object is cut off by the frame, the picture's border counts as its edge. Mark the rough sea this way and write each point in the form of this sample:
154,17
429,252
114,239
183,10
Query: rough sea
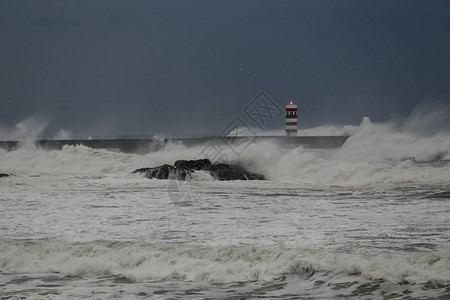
370,220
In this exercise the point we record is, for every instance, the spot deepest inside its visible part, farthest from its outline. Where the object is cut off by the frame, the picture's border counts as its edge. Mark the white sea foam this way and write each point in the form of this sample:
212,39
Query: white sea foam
373,155
388,153
140,262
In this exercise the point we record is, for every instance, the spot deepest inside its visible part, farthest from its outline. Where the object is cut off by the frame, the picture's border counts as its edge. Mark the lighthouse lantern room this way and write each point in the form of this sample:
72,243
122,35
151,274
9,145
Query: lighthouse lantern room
291,119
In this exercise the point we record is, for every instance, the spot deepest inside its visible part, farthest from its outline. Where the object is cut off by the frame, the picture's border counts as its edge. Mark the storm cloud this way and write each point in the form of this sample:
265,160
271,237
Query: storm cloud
187,68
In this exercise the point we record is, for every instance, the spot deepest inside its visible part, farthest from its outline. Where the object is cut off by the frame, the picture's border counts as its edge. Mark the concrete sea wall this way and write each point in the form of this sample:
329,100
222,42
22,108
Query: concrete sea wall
149,145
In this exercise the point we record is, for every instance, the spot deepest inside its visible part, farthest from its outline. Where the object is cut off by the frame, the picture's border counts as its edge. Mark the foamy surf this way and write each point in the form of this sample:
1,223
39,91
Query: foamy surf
142,262
377,154
368,220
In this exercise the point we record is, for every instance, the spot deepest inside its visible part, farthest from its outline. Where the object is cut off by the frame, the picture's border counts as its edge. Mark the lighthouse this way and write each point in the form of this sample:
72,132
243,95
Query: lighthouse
291,119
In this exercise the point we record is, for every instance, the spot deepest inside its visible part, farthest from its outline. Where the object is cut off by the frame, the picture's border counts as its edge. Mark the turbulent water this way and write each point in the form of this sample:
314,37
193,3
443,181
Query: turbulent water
370,220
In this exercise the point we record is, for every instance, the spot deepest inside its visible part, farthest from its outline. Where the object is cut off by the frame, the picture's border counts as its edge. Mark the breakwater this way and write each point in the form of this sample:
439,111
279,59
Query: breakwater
154,144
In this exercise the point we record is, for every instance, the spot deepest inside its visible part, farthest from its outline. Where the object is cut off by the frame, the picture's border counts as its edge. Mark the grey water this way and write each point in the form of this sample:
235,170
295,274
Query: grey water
369,220
123,237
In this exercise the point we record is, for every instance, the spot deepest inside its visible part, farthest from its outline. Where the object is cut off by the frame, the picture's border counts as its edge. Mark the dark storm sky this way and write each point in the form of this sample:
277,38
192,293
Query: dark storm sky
182,68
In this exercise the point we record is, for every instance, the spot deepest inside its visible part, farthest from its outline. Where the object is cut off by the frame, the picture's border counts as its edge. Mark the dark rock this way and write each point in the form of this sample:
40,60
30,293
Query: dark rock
161,172
198,164
3,175
183,168
232,172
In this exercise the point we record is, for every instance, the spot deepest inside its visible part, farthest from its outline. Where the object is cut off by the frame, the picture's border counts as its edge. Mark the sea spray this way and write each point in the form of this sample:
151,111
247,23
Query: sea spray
399,160
380,154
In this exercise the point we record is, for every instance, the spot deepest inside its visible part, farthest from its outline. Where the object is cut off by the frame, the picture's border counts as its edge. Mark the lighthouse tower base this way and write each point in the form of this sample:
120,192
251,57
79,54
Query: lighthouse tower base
291,133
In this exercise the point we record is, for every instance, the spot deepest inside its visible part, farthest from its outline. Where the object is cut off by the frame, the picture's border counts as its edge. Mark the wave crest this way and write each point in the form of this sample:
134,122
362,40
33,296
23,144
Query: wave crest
140,262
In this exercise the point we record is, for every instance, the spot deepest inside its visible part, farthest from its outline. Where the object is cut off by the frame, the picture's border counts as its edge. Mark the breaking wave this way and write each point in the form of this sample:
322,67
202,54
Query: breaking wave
416,150
140,262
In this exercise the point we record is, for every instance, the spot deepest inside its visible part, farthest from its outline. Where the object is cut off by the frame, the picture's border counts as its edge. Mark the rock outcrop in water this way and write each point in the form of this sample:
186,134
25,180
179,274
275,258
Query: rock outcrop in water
3,175
182,169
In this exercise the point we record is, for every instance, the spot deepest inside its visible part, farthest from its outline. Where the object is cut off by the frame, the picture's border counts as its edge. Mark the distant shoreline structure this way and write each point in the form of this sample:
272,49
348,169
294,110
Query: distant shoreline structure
132,145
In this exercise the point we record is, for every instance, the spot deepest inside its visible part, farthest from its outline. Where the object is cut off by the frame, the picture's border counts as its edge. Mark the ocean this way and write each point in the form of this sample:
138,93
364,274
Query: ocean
370,220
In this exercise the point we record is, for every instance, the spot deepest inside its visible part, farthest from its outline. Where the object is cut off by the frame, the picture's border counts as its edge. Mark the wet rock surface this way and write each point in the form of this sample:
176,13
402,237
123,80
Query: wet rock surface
182,169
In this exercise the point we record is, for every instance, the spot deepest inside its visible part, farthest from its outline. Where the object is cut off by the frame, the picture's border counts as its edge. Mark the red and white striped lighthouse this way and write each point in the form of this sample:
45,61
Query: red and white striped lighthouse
291,119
